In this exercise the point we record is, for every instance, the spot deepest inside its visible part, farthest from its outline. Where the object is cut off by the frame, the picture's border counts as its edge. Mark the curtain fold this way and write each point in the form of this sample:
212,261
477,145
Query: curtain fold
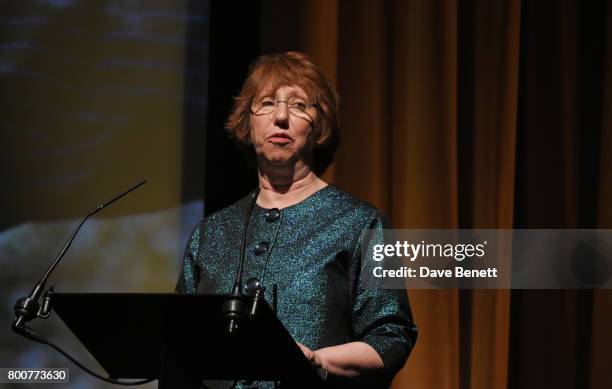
364,85
489,35
601,338
424,169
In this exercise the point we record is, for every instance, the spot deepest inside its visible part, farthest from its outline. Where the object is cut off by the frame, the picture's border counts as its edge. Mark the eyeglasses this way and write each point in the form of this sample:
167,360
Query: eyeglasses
297,108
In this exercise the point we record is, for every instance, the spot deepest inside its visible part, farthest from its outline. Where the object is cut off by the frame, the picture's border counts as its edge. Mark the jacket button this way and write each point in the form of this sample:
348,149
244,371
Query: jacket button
272,215
261,248
252,285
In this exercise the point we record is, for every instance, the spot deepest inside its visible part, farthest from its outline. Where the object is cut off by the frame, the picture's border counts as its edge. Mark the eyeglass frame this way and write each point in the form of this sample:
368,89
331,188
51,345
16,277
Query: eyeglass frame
276,105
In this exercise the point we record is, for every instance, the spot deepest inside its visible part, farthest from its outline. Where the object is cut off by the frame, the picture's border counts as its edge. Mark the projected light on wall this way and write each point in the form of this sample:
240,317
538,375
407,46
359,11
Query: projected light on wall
93,99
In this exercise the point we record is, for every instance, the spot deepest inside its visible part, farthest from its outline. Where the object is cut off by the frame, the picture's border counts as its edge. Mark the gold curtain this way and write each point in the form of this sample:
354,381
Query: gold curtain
430,107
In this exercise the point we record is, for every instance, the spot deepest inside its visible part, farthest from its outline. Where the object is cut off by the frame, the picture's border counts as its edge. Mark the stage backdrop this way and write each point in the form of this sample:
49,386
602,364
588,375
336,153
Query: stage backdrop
94,97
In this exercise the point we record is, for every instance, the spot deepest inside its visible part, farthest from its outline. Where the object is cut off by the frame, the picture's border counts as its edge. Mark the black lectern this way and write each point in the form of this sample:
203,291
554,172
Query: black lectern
182,339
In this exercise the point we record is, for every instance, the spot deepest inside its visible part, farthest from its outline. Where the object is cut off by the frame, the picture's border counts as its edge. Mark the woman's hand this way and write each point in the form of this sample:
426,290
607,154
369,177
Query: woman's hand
345,360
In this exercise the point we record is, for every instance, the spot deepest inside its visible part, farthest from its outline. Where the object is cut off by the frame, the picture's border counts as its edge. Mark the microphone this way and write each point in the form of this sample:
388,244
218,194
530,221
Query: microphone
234,307
28,308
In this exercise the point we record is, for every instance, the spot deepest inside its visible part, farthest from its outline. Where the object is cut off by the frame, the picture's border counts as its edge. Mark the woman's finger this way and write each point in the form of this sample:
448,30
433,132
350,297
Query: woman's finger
307,352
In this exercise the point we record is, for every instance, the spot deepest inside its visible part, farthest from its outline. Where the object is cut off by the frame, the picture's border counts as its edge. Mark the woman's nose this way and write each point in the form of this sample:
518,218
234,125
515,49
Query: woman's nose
281,115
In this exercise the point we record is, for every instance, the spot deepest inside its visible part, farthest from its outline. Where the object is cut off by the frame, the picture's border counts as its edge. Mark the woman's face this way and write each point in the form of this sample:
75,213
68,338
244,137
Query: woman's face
281,126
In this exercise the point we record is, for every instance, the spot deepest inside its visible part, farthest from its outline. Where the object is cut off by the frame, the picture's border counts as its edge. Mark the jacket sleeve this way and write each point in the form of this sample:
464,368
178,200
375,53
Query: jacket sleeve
190,270
381,317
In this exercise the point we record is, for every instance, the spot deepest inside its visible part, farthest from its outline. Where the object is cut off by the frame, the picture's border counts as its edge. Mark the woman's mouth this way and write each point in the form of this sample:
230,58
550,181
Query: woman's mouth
279,137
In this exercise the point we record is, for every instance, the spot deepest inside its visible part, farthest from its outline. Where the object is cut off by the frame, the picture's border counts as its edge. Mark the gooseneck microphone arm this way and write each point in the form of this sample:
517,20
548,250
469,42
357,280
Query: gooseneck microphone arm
234,307
28,308
97,209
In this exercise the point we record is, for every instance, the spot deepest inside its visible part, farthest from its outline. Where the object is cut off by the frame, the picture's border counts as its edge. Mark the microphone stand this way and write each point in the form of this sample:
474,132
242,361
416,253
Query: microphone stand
234,307
28,308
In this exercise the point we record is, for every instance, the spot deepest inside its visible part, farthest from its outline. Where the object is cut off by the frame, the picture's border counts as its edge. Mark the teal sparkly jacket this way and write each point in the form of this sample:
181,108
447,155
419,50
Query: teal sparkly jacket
312,252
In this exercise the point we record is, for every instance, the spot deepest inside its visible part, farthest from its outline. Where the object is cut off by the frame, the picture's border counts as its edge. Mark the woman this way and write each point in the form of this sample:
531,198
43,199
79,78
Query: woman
304,235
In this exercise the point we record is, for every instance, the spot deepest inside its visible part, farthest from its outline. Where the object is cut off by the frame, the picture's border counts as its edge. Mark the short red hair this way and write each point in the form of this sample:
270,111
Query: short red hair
268,73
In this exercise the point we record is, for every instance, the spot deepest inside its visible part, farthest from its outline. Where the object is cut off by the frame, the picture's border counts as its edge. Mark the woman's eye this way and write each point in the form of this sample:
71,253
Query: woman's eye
299,105
267,103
